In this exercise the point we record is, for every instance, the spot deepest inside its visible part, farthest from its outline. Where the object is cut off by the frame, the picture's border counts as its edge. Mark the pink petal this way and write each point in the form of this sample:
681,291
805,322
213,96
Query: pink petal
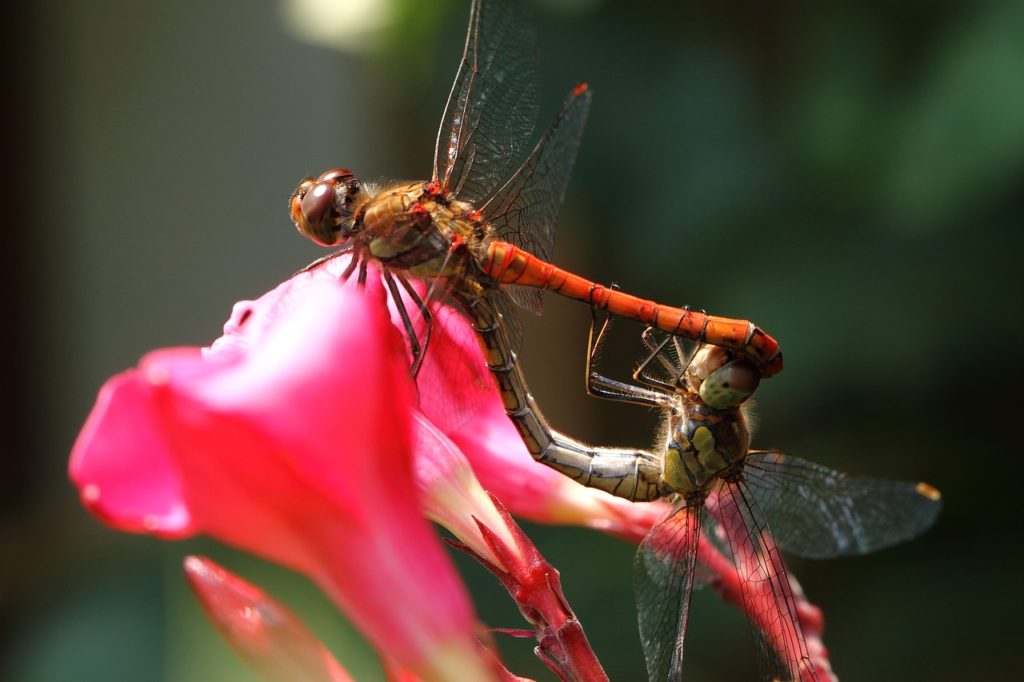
122,465
265,634
294,445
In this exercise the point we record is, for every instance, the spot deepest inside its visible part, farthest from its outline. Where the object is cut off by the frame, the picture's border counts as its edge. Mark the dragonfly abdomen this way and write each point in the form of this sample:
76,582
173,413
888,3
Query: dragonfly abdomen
510,264
632,474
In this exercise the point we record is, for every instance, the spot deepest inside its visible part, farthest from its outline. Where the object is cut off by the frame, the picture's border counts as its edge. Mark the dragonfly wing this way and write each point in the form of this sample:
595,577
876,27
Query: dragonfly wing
492,107
820,513
767,595
528,298
663,579
505,303
525,210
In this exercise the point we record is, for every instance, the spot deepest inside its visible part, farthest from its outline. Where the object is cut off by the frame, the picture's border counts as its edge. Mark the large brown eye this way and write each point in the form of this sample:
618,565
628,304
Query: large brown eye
339,175
322,209
730,384
317,203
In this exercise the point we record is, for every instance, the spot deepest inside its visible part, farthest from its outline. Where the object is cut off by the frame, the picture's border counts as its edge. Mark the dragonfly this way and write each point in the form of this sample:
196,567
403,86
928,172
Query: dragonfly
750,502
485,221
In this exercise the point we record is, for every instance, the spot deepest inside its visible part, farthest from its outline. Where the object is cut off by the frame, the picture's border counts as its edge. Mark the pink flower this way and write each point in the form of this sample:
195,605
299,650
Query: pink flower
290,438
456,396
453,497
296,436
264,633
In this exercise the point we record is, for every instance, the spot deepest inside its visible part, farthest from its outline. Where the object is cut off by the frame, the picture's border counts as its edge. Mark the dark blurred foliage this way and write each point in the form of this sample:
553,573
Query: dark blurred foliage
846,174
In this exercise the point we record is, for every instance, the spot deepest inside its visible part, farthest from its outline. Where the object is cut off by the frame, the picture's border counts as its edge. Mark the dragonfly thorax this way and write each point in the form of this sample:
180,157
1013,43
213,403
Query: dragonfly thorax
707,433
411,227
703,444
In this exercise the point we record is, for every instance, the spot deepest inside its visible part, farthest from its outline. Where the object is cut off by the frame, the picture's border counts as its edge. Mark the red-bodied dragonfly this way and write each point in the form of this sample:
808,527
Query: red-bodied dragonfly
487,217
706,465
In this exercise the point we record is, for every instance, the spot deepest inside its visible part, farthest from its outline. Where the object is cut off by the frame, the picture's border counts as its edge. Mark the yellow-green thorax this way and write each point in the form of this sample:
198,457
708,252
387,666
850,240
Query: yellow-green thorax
702,445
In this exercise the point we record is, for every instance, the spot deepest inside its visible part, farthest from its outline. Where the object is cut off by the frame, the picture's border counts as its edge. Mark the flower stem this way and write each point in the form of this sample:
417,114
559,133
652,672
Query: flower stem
535,586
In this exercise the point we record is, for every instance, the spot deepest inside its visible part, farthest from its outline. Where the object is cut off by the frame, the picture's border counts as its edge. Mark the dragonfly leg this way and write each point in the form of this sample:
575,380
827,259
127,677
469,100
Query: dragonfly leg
428,320
362,272
672,366
657,350
681,353
410,329
600,386
323,259
350,268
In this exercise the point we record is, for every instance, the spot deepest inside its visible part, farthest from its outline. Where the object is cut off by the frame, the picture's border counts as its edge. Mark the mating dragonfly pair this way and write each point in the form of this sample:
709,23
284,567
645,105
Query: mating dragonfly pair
482,231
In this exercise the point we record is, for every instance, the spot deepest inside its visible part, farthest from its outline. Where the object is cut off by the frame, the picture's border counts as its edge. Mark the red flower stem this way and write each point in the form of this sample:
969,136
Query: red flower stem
535,586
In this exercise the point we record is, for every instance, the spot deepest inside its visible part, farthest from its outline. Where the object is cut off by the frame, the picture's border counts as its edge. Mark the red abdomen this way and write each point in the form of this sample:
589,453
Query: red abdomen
509,264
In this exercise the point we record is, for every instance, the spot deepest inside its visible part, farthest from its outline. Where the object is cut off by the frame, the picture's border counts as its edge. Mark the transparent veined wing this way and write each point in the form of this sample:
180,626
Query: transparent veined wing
820,513
524,210
492,107
768,598
513,326
663,579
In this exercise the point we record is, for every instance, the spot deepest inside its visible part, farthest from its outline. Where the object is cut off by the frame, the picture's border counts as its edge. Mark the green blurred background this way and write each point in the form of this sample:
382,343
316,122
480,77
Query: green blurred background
848,175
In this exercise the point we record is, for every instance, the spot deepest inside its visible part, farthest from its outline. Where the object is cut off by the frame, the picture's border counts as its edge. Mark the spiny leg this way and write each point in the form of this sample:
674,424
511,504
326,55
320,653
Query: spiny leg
410,330
656,347
418,350
681,352
675,366
600,386
428,320
683,356
656,351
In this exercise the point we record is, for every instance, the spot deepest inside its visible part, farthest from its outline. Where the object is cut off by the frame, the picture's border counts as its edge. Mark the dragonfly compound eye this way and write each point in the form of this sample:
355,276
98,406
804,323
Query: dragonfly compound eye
323,209
730,384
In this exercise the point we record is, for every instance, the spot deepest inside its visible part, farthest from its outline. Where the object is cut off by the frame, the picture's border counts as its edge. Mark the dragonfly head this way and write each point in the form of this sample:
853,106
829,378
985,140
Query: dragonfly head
722,380
324,209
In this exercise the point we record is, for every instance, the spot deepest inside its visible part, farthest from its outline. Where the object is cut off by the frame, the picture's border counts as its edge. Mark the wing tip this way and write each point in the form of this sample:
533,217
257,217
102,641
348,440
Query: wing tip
928,491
